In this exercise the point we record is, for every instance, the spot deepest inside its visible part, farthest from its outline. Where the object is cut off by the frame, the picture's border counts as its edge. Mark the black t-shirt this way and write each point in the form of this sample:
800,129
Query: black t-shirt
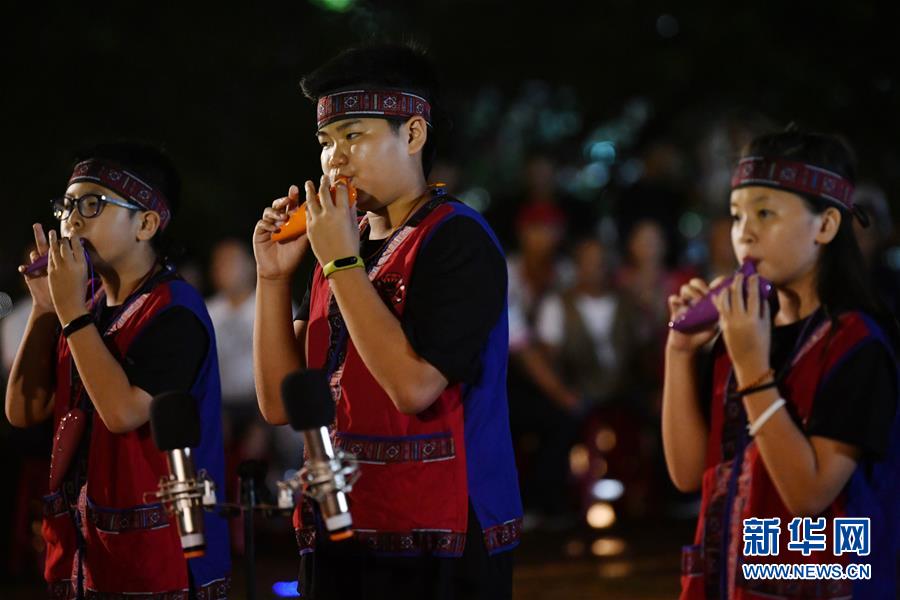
855,405
455,296
168,354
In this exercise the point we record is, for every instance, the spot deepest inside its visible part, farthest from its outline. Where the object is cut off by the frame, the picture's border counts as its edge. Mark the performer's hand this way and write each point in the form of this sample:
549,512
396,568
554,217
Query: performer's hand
67,274
746,327
37,282
278,260
331,222
689,294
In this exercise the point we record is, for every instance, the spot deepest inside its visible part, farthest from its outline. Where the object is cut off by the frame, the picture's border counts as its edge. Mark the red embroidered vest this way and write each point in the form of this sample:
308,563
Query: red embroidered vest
415,484
736,485
130,546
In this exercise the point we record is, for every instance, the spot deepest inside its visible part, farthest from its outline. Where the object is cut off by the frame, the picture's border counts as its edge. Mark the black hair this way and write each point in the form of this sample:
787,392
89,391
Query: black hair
152,165
392,66
842,282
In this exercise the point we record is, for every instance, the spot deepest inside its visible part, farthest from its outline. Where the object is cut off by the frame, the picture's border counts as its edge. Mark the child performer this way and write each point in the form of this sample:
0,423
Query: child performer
144,332
406,313
795,414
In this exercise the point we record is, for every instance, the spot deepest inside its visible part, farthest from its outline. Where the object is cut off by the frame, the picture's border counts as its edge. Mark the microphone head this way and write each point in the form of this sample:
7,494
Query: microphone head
175,421
6,304
307,400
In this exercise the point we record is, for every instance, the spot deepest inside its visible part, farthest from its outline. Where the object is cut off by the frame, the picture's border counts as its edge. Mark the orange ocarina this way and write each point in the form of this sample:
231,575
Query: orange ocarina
296,223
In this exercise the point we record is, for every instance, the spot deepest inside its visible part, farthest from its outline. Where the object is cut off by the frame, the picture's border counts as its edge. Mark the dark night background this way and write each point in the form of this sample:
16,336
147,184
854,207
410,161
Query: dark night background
217,86
595,85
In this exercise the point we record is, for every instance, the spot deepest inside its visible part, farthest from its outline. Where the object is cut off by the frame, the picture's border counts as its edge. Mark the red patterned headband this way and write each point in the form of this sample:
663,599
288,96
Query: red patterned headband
797,177
124,183
371,103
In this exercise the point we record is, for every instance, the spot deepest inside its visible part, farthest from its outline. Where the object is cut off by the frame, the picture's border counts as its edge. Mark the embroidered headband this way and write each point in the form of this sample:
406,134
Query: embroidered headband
795,177
124,183
371,103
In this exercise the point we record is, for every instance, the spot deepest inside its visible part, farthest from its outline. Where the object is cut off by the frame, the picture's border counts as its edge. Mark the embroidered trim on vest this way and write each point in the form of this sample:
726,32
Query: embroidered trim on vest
214,590
391,288
383,450
503,535
54,505
813,339
337,345
830,589
391,247
138,302
135,306
712,556
718,558
437,542
691,560
111,520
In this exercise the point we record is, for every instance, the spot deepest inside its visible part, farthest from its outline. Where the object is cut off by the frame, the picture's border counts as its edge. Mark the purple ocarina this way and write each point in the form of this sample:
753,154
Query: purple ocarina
40,263
704,313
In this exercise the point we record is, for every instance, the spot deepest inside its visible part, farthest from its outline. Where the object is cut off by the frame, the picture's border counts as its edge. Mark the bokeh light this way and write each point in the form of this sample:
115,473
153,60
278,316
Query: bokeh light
609,490
608,547
601,515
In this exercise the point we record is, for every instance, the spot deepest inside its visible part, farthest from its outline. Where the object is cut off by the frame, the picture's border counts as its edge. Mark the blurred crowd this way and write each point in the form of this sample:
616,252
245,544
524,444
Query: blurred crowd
588,282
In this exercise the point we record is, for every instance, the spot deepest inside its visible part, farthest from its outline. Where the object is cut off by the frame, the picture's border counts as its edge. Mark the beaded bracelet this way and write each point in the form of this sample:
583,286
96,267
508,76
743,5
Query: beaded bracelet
756,382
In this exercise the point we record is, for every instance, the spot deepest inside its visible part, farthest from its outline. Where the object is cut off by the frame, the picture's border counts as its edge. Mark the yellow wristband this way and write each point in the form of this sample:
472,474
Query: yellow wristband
342,264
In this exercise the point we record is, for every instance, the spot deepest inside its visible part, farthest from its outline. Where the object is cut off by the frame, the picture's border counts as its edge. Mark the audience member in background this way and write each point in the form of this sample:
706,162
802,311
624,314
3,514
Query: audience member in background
536,268
588,329
233,276
542,406
644,276
647,281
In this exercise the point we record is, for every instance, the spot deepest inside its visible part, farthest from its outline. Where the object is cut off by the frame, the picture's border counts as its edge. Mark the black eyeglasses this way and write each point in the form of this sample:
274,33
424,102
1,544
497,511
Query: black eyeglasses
88,206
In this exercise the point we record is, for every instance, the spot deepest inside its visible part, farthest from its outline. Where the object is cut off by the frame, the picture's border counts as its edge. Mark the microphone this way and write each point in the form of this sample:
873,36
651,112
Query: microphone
6,304
327,475
175,424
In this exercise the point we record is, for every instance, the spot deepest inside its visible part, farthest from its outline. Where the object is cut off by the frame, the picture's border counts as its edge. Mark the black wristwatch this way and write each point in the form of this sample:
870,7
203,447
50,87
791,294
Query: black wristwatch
76,324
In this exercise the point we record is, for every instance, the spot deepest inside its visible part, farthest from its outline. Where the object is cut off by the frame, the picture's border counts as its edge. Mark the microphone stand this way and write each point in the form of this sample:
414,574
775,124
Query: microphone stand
311,481
251,475
248,504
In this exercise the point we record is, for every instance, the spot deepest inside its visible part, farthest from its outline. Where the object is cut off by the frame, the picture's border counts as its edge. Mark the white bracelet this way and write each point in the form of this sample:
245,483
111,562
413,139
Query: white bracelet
754,427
